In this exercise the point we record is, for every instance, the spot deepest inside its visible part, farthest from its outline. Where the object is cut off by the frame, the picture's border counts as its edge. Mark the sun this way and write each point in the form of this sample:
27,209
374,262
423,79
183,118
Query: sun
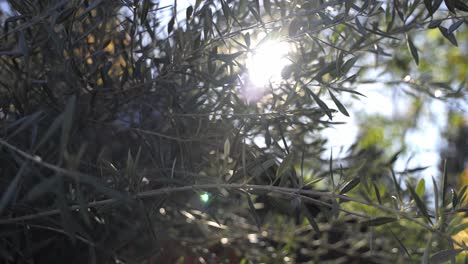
266,62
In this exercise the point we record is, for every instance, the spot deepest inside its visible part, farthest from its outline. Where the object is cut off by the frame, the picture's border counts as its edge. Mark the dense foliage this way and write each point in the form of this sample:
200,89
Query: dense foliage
126,139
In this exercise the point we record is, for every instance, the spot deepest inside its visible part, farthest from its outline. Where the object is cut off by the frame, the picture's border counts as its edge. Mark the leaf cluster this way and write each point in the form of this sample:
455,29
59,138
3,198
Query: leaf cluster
124,138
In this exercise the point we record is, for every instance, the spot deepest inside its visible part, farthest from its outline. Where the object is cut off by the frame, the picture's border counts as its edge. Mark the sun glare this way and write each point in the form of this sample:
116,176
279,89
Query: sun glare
266,62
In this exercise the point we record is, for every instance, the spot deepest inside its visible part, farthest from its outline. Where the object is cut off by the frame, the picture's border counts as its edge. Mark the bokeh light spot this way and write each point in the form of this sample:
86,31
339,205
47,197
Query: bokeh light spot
205,197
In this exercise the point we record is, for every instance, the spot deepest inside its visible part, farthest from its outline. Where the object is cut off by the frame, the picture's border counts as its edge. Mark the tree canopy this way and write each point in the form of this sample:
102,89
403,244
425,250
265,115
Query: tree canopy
139,132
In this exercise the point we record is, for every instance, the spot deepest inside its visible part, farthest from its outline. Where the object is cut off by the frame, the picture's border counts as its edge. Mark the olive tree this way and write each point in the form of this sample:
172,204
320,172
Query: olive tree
140,133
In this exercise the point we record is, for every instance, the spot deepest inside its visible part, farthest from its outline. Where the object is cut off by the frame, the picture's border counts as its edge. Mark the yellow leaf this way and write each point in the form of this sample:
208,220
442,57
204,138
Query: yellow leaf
110,47
91,39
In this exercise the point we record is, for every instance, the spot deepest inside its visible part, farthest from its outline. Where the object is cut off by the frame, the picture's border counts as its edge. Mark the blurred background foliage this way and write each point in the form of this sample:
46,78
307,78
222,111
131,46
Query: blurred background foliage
139,131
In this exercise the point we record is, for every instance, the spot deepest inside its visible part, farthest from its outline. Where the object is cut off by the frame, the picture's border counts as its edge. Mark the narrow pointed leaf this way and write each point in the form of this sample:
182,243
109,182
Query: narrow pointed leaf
320,103
457,229
428,4
25,122
10,192
226,10
338,104
311,219
461,4
246,37
396,184
419,203
400,243
377,193
449,36
207,22
454,199
435,23
348,65
379,221
444,255
144,11
455,26
349,91
436,198
444,184
284,166
170,25
350,185
413,50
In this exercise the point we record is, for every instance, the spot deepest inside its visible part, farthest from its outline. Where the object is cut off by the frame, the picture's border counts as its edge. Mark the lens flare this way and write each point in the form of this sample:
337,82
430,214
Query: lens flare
266,62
